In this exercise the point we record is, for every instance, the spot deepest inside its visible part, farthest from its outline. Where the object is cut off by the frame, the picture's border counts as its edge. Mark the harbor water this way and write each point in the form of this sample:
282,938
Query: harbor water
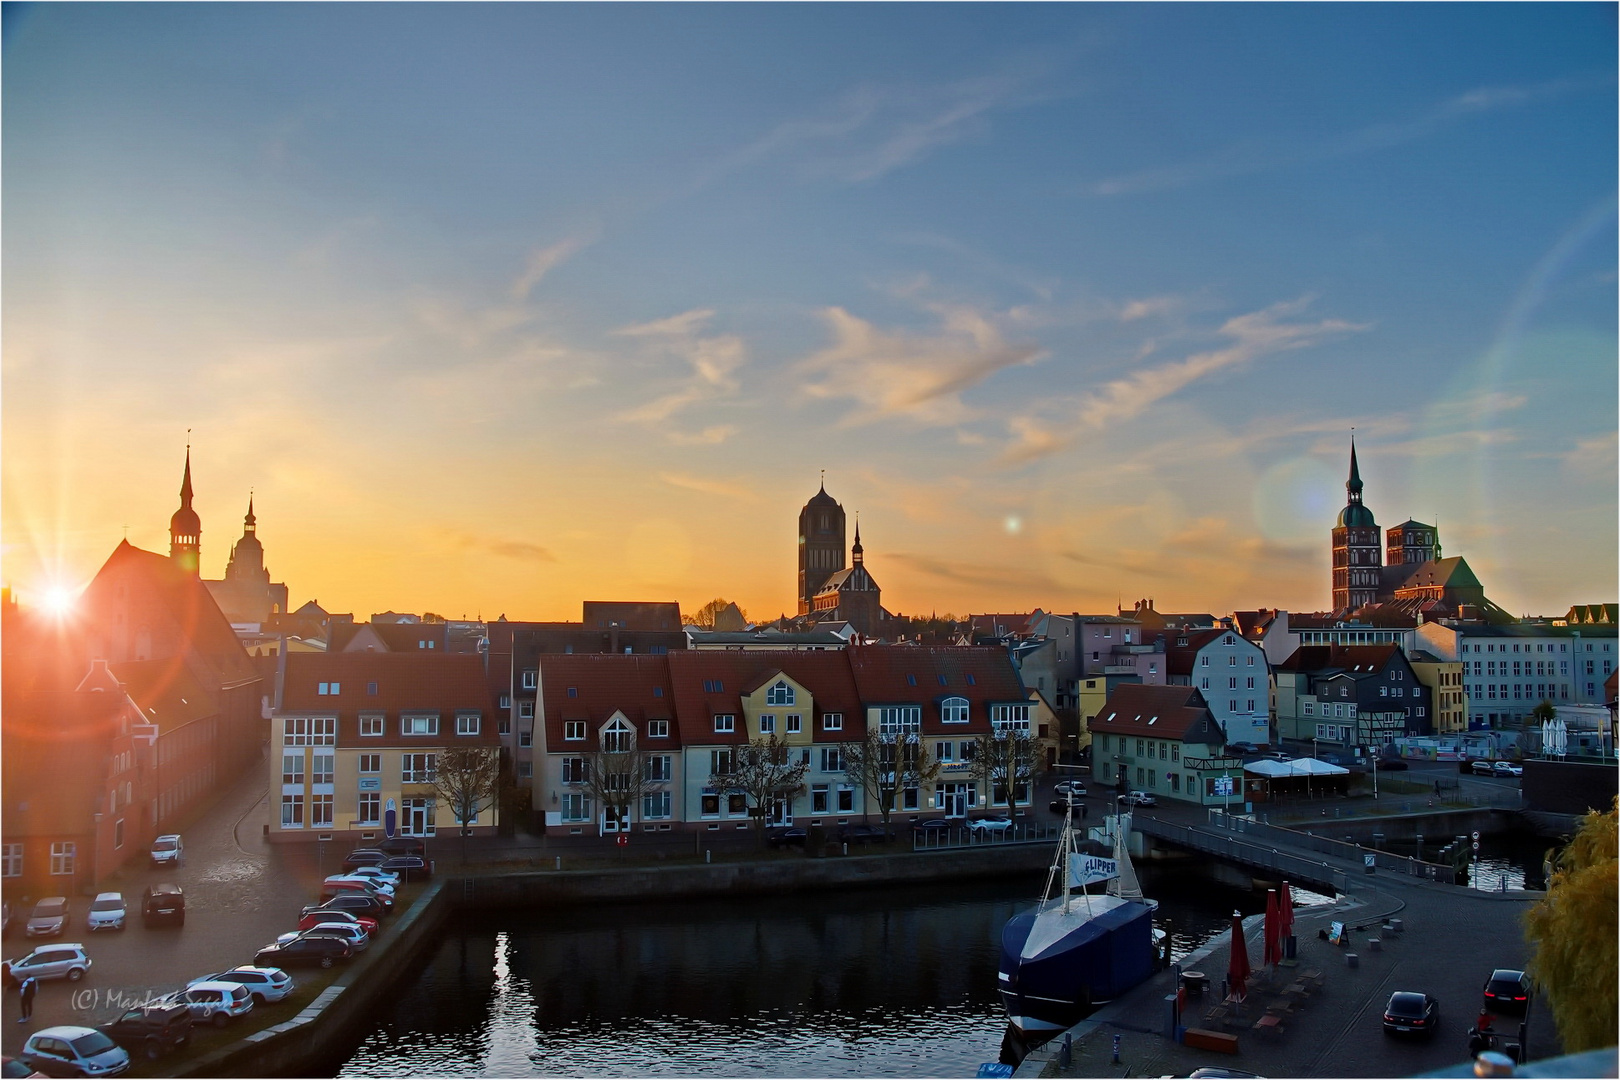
882,982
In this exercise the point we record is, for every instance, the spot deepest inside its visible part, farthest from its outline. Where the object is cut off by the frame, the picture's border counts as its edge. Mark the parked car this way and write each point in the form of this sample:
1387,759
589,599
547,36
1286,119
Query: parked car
408,867
151,1030
107,912
1139,798
387,877
1278,755
357,938
14,1069
934,826
384,885
320,915
403,845
1061,806
1242,748
1392,764
342,886
364,857
71,1050
1508,992
163,904
1506,768
781,838
168,850
1410,1013
1481,767
862,834
987,825
266,984
306,951
1070,787
67,960
354,903
49,918
216,1003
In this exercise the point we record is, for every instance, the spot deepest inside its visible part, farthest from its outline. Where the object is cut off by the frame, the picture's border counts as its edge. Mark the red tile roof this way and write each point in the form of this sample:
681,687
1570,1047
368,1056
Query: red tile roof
406,683
1160,712
594,686
925,675
695,674
1353,658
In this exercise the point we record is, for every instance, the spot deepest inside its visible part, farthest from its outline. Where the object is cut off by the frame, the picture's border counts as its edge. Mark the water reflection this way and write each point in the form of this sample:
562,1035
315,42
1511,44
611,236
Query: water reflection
866,983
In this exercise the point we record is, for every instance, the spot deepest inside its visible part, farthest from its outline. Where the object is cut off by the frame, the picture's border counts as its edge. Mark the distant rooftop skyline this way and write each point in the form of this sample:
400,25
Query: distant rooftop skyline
497,308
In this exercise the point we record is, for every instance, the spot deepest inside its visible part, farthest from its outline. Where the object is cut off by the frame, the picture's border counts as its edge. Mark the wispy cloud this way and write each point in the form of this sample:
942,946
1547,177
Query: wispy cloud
714,360
1253,335
920,377
1249,157
543,260
958,572
708,485
520,550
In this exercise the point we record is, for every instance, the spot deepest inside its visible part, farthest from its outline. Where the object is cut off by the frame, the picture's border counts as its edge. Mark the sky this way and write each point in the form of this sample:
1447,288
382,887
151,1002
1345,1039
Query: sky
494,309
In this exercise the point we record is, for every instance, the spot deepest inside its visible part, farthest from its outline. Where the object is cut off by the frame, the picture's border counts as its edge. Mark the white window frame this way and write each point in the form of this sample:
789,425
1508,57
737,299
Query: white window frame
419,726
320,811
309,731
767,724
418,767
372,727
531,678
372,801
467,723
833,721
795,724
573,731
780,694
658,729
11,860
294,802
725,723
954,710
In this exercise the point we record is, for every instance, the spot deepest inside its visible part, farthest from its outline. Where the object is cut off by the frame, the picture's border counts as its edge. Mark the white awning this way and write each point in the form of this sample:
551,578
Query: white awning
1305,766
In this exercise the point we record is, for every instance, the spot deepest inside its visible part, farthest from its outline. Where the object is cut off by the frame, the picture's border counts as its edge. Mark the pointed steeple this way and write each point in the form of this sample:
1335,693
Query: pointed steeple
857,554
185,528
185,484
250,520
1353,485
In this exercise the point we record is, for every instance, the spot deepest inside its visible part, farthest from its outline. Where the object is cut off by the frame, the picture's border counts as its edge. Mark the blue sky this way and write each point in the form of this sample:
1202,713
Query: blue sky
498,308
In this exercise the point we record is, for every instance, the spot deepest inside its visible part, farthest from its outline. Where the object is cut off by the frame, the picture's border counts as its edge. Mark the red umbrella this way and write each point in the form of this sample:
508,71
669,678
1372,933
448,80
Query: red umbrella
1273,953
1237,970
1285,913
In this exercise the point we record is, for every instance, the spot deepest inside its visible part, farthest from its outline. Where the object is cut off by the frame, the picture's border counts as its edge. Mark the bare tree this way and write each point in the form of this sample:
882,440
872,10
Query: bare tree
714,616
884,765
467,779
763,772
618,775
1006,762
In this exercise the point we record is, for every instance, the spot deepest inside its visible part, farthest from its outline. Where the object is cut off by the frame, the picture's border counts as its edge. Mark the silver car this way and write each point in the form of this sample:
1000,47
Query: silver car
168,850
71,1050
49,918
65,961
106,912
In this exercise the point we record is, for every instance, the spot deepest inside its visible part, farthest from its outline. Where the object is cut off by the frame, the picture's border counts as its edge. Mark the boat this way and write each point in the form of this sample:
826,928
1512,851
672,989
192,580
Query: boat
1077,949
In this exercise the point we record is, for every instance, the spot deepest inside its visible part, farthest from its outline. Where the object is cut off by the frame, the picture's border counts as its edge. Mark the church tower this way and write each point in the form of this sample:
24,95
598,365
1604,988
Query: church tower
1356,550
246,563
821,545
185,529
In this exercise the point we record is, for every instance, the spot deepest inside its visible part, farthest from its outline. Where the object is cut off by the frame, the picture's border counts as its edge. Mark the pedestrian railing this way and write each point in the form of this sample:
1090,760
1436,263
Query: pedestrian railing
1295,867
1262,833
958,837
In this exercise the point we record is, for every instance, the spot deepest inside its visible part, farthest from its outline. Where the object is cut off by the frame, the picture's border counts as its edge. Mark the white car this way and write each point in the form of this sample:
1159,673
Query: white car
376,885
989,825
167,850
374,873
107,912
1139,798
355,935
266,984
65,961
216,1002
71,1050
1506,768
1068,787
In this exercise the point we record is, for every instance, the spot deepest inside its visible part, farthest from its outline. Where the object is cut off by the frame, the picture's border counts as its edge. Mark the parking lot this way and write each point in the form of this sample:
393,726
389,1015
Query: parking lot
240,894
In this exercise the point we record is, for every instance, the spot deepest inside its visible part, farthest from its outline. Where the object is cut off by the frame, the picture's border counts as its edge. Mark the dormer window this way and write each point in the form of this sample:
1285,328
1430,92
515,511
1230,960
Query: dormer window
780,694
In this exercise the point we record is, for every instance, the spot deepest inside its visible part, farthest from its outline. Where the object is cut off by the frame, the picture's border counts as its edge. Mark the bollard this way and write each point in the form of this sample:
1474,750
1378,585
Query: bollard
559,862
708,856
1351,960
1116,1049
1375,945
1066,1051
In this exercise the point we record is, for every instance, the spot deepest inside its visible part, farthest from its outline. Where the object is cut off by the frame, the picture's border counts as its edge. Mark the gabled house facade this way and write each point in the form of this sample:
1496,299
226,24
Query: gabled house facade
1351,696
1231,673
1164,740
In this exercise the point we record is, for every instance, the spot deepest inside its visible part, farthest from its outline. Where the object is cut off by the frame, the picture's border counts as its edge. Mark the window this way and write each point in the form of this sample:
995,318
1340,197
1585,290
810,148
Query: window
832,721
320,768
658,768
656,804
953,710
419,725
576,806
832,759
371,689
910,797
780,694
713,686
369,810
320,811
1231,684
11,860
309,731
526,737
846,799
292,768
371,763
897,719
1009,717
292,811
1251,661
575,770
617,738
719,762
331,689
911,680
1203,661
1205,684
725,722
818,799
371,726
417,768
525,710
574,730
504,725
1251,683
795,724
506,701
531,678
767,724
945,752
526,770
573,691
466,723
658,729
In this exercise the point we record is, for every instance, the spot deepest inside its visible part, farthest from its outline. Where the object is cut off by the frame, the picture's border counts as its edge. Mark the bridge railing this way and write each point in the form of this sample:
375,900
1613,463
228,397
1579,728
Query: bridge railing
1261,832
1284,864
958,837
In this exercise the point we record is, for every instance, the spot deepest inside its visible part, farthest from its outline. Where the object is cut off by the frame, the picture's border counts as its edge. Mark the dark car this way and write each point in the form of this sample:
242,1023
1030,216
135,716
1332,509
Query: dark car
1061,806
781,838
163,905
306,950
151,1030
934,826
403,845
354,903
1411,1014
1392,764
13,1069
862,834
1508,992
364,857
408,867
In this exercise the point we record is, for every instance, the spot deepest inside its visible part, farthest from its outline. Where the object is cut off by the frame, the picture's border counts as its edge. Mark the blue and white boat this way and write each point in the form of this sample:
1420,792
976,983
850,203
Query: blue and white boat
1077,950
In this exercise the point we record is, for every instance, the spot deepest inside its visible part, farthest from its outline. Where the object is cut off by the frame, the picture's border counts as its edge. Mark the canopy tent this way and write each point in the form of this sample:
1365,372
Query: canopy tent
1301,776
1301,767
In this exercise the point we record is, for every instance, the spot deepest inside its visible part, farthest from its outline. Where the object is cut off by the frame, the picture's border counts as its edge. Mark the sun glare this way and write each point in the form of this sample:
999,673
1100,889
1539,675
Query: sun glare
58,601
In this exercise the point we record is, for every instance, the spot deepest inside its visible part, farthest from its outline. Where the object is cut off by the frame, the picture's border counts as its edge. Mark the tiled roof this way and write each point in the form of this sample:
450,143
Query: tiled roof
710,683
593,686
924,675
1179,658
405,682
632,615
166,692
1354,659
1160,712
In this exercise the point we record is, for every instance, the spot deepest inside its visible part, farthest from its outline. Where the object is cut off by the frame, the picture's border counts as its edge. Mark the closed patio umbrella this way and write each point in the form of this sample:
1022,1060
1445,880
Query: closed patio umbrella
1237,969
1273,936
1285,912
